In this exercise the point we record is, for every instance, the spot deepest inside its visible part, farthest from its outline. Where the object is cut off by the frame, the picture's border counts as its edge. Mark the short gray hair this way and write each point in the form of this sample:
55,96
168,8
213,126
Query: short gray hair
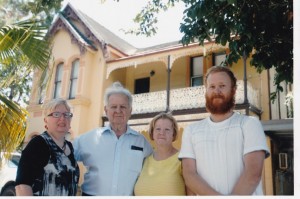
117,88
51,105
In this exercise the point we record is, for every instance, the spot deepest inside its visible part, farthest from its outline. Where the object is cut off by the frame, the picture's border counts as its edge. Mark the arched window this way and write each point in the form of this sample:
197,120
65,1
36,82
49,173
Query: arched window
74,78
58,80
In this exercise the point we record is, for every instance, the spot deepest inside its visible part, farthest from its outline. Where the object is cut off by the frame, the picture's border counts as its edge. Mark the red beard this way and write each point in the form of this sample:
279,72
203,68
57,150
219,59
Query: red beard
219,104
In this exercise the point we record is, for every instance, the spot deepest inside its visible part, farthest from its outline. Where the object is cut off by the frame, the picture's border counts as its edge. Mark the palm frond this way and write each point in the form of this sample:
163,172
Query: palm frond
23,45
26,38
12,125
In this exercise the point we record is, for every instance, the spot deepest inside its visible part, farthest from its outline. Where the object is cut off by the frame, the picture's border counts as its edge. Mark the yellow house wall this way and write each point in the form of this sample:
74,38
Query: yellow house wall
88,103
35,124
92,88
258,81
178,73
141,71
267,174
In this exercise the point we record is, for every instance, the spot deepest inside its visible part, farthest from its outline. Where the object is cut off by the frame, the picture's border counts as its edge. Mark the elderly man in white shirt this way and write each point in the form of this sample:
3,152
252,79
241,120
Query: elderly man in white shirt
113,155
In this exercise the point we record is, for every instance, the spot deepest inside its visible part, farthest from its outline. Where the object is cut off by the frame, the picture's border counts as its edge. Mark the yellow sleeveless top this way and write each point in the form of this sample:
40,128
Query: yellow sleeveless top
160,178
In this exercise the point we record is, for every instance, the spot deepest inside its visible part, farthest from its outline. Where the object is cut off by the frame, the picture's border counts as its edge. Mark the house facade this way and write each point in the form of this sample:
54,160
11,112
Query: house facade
87,58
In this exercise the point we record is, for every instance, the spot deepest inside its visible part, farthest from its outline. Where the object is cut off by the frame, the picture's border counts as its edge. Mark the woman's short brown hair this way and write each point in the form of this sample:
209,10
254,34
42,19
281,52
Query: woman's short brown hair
164,116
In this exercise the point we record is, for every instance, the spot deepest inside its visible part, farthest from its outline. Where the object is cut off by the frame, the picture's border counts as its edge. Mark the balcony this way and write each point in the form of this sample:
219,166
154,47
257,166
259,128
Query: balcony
186,98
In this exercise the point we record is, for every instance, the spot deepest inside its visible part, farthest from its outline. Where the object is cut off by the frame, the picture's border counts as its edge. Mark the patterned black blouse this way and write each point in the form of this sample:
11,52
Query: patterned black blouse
45,167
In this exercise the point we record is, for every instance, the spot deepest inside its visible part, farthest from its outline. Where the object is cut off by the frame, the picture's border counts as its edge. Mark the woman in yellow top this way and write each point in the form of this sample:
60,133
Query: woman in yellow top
162,173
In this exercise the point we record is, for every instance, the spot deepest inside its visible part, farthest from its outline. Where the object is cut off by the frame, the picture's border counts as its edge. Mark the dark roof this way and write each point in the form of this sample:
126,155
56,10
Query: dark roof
283,128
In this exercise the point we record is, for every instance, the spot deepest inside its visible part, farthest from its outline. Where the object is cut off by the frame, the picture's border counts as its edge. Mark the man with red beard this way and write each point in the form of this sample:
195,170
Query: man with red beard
224,153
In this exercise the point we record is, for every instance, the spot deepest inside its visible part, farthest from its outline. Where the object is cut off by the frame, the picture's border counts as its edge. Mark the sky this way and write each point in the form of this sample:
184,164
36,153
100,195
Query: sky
116,16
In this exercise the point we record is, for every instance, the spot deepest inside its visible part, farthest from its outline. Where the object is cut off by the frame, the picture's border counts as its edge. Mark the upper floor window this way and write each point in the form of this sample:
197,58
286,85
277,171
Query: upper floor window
42,86
219,59
58,80
197,71
74,79
142,85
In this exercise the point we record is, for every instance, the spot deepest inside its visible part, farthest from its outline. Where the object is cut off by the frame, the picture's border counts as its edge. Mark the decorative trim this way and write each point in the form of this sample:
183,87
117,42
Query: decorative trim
60,25
147,58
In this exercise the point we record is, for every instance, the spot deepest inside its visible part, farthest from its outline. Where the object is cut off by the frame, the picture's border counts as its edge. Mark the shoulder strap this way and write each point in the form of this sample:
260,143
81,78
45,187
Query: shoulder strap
70,146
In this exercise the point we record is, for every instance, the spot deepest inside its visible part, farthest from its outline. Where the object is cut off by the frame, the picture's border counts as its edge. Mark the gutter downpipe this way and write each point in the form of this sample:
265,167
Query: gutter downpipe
246,101
168,85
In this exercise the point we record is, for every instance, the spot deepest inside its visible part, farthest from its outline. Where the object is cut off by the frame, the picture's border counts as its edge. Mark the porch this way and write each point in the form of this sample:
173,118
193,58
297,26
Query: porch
188,98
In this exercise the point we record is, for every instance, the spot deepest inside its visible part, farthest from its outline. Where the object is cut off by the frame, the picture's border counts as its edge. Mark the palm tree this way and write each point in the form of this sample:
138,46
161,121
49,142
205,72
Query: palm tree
23,42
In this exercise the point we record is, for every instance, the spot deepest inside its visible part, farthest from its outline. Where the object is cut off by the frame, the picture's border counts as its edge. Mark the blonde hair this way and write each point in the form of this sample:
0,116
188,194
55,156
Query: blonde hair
51,105
164,116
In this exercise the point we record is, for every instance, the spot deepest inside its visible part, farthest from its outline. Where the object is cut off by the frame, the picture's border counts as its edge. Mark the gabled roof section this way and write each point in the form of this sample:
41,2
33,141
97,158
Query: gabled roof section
86,32
110,38
65,21
62,23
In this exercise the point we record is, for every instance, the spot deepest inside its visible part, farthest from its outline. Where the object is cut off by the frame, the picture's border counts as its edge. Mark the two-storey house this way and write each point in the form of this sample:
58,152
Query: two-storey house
87,58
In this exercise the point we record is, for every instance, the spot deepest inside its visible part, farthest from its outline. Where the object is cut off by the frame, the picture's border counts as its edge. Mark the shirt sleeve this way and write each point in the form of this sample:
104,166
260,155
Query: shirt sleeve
186,150
148,148
32,162
76,146
254,136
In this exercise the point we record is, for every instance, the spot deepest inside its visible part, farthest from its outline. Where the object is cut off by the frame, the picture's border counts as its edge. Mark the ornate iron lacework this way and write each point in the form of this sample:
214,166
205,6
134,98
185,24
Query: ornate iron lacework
185,98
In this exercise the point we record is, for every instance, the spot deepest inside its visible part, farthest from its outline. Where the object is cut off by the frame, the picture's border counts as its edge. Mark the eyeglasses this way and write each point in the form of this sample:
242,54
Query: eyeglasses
59,114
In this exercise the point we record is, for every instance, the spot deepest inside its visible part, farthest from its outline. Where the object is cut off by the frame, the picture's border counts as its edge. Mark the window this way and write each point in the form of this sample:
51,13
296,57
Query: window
197,71
58,80
41,94
142,85
219,59
43,85
74,79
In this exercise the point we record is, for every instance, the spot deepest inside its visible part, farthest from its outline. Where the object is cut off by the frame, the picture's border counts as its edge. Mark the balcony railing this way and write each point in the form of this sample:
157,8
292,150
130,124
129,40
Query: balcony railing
186,98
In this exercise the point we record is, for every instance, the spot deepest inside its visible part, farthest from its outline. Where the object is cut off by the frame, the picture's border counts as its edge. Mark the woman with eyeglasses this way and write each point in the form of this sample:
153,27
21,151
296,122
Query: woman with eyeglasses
47,166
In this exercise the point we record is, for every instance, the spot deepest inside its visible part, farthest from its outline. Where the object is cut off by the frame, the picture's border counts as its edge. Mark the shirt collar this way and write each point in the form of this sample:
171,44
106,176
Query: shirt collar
108,129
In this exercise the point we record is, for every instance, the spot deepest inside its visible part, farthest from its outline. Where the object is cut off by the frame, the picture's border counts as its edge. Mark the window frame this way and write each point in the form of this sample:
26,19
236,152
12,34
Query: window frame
57,81
193,76
219,54
74,79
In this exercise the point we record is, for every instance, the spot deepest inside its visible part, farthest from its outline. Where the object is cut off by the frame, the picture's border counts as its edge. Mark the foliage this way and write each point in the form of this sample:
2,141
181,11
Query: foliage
23,48
12,125
289,102
147,18
263,28
23,42
15,10
11,11
15,77
18,82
